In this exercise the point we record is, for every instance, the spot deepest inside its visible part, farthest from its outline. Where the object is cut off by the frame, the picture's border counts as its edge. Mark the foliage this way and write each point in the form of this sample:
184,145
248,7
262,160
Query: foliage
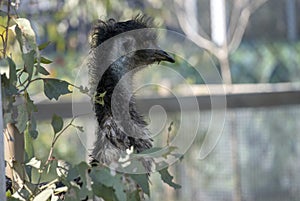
72,182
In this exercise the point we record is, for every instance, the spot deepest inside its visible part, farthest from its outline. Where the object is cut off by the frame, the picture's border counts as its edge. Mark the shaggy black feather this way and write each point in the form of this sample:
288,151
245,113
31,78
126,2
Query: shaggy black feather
114,137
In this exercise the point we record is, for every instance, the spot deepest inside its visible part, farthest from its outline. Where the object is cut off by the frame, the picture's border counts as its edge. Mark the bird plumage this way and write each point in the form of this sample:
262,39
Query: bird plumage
117,52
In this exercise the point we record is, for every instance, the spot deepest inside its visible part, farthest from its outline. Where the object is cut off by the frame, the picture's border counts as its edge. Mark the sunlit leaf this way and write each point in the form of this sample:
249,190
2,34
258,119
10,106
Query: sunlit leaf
43,45
44,195
34,163
27,31
53,88
57,123
45,60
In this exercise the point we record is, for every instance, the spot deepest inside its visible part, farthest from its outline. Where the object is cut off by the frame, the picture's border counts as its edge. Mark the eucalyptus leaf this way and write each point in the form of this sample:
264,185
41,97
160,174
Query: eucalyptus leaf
54,88
34,163
32,128
44,195
19,37
44,45
29,62
133,196
29,150
22,118
27,32
102,176
12,71
107,193
167,178
43,71
30,106
45,60
143,181
57,123
120,190
9,89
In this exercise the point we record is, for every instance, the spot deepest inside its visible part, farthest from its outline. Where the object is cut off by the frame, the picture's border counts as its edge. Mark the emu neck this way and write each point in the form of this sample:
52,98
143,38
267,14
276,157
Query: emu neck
116,83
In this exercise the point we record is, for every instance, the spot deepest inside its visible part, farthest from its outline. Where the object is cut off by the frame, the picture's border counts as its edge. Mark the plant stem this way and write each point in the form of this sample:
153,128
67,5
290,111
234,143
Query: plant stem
55,138
6,28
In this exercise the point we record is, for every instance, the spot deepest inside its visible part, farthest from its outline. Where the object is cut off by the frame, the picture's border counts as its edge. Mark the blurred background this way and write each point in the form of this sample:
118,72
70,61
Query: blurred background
255,46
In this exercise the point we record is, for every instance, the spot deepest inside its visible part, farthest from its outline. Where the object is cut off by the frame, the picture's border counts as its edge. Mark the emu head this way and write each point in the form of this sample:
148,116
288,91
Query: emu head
133,42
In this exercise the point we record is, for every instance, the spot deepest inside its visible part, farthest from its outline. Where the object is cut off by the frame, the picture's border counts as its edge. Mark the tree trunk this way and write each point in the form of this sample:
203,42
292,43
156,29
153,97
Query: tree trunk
14,155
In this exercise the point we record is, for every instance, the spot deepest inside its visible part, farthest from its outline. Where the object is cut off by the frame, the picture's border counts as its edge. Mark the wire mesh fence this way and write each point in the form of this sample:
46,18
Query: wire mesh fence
257,158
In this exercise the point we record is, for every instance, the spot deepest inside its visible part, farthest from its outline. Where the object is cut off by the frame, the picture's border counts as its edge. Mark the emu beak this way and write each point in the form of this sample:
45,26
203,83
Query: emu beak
161,55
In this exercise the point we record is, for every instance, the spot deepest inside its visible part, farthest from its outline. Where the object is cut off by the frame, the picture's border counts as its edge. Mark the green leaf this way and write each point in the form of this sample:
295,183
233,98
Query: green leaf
44,195
43,45
102,176
32,128
9,89
45,60
82,169
30,106
29,150
19,37
43,71
12,71
107,193
53,88
120,190
167,178
143,181
57,123
99,98
133,196
22,118
29,63
151,150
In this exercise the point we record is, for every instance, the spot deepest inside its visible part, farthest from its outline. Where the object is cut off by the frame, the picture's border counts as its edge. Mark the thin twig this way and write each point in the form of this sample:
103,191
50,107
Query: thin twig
28,83
55,138
6,28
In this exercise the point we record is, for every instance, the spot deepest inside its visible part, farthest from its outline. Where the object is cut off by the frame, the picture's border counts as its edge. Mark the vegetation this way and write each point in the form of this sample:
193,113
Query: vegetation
26,67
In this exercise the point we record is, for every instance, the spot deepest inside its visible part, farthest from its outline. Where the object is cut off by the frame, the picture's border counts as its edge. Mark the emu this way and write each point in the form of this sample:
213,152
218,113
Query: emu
119,49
